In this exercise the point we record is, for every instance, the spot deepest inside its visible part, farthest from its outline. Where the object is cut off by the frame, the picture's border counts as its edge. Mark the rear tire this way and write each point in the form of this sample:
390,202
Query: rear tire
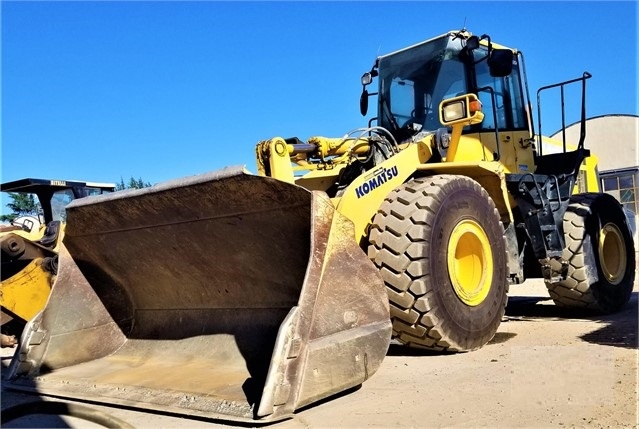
598,241
440,247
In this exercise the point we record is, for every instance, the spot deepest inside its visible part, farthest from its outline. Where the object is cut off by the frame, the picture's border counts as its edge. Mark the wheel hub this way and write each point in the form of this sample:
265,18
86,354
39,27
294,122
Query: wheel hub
470,262
612,253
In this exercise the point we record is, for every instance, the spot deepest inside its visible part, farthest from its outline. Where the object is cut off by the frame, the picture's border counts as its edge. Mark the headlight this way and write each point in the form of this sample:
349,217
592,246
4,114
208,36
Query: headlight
454,111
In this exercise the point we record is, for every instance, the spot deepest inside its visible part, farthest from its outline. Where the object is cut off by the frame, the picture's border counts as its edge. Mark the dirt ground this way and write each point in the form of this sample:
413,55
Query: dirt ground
543,369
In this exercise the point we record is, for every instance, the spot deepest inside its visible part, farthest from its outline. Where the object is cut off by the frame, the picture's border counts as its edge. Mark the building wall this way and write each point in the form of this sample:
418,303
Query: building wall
613,138
615,141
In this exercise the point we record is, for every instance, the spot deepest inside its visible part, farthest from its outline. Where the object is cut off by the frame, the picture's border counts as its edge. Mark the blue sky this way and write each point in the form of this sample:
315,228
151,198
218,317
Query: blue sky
107,90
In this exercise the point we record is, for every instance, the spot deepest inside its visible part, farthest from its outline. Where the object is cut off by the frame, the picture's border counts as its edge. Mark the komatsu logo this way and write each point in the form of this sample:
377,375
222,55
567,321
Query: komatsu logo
379,178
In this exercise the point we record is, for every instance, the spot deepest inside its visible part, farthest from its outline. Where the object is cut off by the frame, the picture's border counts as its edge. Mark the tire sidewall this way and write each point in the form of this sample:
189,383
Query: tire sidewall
603,210
466,203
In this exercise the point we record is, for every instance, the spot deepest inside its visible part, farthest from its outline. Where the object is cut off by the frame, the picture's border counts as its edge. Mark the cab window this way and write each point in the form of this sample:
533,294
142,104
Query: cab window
501,98
59,201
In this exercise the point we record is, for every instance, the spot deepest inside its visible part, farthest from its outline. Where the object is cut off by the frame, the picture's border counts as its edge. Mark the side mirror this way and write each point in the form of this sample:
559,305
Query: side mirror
500,62
367,79
363,102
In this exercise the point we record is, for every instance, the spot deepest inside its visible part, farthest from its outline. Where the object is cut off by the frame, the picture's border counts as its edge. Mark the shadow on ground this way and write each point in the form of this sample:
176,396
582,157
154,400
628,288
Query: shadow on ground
618,329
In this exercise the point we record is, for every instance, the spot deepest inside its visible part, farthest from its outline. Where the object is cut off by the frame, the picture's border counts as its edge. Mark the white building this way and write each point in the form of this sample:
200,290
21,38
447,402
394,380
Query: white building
615,141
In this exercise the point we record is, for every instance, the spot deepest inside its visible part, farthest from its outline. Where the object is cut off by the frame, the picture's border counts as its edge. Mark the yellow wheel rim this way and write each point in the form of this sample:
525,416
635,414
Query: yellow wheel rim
612,253
470,262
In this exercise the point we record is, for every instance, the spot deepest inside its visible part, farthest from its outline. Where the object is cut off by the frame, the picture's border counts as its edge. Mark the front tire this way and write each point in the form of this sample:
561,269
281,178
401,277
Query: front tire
600,253
440,247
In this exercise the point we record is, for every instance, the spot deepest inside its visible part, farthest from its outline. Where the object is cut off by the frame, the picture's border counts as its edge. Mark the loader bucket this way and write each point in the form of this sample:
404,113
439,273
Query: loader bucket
226,295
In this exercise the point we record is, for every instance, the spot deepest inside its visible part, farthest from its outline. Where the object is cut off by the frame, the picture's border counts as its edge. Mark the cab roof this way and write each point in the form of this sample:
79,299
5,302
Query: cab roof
35,186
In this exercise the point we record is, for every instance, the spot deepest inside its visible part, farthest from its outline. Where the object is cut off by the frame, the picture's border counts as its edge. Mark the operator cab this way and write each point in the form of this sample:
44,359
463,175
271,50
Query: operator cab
53,196
414,81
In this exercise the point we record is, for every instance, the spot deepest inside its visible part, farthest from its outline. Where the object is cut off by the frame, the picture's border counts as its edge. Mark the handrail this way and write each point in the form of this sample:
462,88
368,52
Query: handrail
582,136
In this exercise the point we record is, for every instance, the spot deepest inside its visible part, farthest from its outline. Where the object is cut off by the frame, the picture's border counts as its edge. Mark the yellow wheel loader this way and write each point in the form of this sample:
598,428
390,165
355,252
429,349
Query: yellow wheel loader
245,297
30,246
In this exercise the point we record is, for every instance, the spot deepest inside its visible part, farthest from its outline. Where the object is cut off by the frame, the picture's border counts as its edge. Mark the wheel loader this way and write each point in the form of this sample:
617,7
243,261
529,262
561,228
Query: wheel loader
30,245
246,297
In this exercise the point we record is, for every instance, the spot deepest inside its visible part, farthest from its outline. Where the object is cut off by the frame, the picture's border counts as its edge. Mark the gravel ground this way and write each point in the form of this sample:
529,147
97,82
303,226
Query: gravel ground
542,370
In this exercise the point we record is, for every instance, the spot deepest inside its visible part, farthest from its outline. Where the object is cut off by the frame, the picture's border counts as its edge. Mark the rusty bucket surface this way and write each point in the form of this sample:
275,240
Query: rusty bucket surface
224,295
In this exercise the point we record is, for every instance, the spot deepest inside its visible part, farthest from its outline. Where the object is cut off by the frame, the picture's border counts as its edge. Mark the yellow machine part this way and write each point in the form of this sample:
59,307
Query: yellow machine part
26,293
588,179
225,295
34,235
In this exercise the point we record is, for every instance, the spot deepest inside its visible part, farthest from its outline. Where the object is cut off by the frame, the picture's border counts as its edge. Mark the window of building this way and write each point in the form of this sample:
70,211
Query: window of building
624,186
